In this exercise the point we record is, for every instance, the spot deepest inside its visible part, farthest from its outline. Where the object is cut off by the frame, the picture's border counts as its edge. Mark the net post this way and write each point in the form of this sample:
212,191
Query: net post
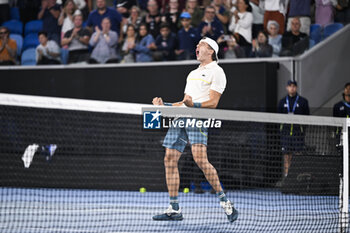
344,196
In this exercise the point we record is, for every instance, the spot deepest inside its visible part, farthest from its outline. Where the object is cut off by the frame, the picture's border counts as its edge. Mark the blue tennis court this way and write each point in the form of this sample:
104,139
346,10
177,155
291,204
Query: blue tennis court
63,210
91,182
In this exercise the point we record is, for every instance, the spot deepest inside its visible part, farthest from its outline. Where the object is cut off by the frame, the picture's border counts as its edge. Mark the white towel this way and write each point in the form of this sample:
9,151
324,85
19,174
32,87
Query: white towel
29,154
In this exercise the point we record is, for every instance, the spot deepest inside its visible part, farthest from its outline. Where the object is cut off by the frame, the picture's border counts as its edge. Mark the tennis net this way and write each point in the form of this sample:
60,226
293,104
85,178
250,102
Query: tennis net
69,165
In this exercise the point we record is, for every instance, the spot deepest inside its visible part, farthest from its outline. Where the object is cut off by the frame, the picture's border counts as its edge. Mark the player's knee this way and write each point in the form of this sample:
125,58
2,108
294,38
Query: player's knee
202,162
170,159
167,160
199,149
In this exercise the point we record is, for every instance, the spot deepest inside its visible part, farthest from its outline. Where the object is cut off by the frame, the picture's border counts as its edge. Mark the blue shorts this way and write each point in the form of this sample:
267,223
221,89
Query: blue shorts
292,144
177,138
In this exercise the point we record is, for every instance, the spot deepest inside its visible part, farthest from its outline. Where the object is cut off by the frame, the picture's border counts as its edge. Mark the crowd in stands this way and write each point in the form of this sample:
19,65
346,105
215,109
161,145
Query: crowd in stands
70,31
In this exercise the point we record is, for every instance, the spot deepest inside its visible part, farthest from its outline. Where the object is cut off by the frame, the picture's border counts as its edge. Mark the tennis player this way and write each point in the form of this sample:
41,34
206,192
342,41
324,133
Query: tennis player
204,88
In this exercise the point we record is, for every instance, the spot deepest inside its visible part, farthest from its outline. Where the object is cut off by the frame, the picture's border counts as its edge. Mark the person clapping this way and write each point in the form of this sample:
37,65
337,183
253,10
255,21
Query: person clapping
104,43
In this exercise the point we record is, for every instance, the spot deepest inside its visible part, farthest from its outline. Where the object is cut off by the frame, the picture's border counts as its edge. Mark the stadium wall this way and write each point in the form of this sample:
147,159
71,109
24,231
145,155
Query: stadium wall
250,86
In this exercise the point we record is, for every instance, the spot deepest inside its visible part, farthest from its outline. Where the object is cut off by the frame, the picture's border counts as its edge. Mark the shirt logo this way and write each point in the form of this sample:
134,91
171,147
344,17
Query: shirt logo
203,75
341,108
152,120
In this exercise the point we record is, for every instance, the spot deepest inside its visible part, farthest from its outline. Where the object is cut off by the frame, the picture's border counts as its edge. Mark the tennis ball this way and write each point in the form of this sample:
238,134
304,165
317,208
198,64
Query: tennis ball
186,190
142,190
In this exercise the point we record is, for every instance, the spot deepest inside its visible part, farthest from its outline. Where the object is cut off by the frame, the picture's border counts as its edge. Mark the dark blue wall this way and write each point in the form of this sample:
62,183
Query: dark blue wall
250,86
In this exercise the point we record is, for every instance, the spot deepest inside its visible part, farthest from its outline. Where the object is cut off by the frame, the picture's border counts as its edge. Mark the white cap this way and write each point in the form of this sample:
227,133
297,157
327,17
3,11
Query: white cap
212,43
77,12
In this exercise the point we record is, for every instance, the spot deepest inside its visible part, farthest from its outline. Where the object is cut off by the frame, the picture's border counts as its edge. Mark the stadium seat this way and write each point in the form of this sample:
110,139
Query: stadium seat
316,32
14,13
28,57
30,41
64,56
331,28
312,43
19,42
33,26
15,26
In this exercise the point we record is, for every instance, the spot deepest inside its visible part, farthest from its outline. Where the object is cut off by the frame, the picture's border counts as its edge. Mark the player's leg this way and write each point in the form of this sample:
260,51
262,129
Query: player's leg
199,152
175,142
172,175
287,162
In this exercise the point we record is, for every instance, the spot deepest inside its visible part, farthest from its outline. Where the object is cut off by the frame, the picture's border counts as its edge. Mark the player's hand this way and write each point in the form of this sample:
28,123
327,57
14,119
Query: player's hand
157,101
188,101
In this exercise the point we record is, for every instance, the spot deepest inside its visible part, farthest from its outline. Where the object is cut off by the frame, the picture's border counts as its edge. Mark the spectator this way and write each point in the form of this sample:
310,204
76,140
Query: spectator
261,47
82,5
210,27
104,42
47,52
221,14
205,3
135,19
172,16
129,44
8,48
124,6
77,40
229,49
143,5
275,39
152,18
292,136
163,5
241,25
144,43
4,11
49,13
291,38
233,5
342,108
274,10
325,11
66,17
343,12
28,9
195,12
95,17
258,17
302,10
187,38
165,44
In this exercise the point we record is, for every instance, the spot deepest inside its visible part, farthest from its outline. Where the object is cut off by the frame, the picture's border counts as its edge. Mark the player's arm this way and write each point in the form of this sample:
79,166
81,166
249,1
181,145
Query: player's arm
214,98
159,101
